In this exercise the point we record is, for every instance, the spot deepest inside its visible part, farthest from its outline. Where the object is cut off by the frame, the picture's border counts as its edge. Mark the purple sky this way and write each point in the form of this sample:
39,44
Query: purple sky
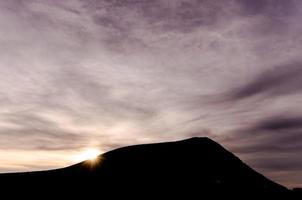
79,74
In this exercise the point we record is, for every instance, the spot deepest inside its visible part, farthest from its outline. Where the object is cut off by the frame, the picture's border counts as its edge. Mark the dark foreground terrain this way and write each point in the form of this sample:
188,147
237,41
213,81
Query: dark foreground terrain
198,168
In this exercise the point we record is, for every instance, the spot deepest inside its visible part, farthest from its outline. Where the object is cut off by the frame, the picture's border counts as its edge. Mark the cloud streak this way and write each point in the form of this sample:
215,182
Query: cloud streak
280,80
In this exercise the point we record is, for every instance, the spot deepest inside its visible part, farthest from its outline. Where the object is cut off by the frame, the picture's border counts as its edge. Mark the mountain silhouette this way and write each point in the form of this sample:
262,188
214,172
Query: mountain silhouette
196,167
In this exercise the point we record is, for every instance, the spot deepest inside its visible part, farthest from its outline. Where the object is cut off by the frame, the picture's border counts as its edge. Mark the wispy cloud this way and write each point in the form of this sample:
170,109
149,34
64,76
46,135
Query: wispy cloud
280,80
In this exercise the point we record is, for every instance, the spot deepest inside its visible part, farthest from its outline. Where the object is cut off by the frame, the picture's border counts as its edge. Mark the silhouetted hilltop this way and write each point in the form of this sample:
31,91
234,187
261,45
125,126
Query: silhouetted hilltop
196,167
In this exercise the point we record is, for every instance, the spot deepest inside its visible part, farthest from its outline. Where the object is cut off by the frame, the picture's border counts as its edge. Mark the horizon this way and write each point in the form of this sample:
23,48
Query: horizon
86,76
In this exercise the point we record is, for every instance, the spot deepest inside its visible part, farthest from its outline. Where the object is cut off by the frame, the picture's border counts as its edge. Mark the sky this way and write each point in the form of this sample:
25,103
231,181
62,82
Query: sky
102,74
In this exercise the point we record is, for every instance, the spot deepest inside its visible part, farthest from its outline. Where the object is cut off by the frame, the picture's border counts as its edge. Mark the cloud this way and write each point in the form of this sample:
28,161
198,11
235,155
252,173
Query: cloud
274,164
280,80
25,131
177,15
266,7
93,95
280,123
41,139
281,133
272,145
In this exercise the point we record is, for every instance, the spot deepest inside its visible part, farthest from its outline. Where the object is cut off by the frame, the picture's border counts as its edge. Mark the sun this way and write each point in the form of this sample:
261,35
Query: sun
88,155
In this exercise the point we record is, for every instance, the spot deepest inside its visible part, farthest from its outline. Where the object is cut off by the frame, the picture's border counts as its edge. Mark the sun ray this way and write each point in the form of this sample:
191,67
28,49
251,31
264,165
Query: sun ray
88,155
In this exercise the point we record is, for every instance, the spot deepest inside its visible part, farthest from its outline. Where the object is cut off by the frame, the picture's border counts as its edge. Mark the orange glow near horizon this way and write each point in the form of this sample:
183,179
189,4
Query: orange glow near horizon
11,161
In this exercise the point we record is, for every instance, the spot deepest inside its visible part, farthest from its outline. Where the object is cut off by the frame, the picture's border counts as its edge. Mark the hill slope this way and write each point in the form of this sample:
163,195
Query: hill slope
196,166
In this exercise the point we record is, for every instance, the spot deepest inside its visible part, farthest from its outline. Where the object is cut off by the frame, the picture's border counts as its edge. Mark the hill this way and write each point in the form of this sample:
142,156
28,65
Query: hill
196,167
